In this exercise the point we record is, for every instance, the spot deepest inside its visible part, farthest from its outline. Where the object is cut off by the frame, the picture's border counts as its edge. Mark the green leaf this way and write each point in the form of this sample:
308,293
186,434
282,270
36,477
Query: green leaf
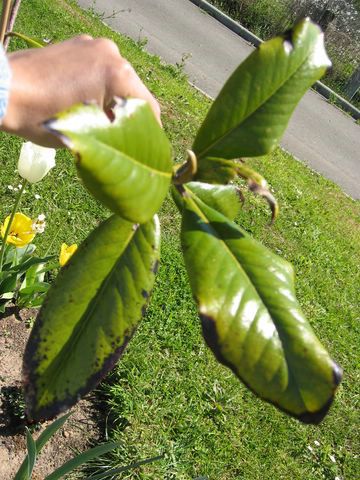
216,170
251,112
30,262
33,288
89,314
8,285
81,459
31,448
250,316
31,301
40,443
39,287
34,274
23,253
126,163
225,199
31,42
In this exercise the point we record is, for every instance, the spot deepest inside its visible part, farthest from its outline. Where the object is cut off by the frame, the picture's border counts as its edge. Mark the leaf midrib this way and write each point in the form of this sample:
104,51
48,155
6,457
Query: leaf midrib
251,113
226,247
88,314
130,159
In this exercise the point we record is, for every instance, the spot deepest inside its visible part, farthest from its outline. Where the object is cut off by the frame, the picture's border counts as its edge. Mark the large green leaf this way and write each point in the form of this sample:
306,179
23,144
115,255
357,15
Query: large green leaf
89,314
125,163
251,112
250,316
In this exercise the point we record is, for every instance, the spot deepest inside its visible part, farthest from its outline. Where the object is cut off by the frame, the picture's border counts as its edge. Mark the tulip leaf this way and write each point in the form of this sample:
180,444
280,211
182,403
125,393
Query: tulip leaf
31,448
81,459
89,314
44,437
250,316
124,163
251,112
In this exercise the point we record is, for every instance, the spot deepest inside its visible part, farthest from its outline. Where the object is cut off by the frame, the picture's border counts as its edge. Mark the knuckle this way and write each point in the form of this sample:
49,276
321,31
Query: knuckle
107,47
120,72
84,36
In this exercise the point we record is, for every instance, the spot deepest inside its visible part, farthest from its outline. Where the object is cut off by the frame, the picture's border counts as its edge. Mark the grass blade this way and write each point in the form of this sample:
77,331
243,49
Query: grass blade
115,471
81,459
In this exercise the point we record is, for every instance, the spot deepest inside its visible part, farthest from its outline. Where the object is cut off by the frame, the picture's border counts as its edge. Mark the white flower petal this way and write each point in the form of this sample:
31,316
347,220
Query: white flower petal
35,161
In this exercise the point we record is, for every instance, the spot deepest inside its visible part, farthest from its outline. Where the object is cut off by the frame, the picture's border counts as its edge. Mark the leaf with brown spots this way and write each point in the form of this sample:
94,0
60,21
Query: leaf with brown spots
89,314
250,316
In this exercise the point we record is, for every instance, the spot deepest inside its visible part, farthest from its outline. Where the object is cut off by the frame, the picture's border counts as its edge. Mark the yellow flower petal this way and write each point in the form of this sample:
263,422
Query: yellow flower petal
66,252
21,232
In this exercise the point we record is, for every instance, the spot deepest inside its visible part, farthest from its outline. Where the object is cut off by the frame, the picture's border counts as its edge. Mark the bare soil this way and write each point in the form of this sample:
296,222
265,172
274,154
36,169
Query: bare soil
79,432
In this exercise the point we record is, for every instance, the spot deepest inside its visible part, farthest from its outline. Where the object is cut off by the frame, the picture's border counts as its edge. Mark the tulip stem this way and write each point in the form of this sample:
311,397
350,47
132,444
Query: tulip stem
8,226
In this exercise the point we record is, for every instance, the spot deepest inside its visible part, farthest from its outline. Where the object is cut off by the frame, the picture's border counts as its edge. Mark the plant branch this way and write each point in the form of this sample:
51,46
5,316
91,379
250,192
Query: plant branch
4,19
187,170
13,15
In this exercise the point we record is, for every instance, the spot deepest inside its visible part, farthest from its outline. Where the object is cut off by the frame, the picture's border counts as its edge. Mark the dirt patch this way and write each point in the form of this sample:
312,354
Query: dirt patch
79,432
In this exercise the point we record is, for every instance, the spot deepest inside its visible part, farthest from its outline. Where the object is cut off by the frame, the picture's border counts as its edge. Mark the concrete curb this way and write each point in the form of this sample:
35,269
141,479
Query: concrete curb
256,41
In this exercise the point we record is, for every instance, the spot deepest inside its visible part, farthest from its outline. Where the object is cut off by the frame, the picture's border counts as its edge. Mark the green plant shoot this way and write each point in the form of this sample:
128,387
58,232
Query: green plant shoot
245,294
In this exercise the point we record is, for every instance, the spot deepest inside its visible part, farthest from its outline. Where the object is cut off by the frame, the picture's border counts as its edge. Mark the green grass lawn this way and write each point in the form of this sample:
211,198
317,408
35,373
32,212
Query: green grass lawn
168,395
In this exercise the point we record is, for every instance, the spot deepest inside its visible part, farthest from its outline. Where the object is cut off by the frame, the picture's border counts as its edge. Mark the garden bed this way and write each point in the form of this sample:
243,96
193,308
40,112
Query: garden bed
80,431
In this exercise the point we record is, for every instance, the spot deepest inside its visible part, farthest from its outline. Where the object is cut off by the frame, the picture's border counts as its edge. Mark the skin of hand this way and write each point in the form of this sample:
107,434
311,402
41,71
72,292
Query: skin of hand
48,80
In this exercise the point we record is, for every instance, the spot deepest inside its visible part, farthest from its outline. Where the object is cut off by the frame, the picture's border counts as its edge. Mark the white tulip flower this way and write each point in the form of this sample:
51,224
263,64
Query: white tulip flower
35,161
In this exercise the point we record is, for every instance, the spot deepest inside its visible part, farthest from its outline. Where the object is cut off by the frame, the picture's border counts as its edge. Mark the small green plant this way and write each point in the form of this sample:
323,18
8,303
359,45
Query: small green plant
34,448
244,293
13,403
22,274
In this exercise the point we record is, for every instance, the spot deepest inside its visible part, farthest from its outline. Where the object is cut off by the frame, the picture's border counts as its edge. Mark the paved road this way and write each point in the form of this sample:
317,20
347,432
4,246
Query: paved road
318,134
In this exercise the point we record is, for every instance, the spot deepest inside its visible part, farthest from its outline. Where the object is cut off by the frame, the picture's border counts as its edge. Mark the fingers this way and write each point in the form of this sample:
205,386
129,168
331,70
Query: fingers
124,82
121,78
49,80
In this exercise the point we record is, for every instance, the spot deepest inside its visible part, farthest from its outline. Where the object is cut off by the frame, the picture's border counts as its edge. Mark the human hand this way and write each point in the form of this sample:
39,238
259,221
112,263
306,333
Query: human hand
48,80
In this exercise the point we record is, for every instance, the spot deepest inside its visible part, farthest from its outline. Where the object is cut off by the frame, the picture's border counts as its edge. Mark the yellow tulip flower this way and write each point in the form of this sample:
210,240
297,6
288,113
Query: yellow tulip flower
21,232
66,252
